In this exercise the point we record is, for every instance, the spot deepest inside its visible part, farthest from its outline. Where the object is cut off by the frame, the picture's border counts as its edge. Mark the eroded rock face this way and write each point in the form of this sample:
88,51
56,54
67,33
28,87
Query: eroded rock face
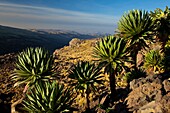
149,95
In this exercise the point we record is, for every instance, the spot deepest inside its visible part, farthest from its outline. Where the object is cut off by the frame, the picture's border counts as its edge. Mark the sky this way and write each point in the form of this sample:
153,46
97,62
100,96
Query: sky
84,16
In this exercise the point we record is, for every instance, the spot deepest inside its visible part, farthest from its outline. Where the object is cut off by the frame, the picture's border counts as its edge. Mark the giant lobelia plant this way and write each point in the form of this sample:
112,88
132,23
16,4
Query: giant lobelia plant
154,61
34,64
136,27
49,97
161,25
86,75
112,53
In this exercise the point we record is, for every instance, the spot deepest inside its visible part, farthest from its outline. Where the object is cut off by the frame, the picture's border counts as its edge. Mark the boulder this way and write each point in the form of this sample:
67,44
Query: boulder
165,103
149,95
151,107
75,42
166,84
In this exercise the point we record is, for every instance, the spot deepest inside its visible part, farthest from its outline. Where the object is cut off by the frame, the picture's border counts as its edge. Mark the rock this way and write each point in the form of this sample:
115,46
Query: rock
135,83
151,107
149,95
165,102
140,59
166,84
75,42
139,82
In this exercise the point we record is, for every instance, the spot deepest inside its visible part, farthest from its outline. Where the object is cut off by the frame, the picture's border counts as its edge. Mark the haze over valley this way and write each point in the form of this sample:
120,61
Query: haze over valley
15,39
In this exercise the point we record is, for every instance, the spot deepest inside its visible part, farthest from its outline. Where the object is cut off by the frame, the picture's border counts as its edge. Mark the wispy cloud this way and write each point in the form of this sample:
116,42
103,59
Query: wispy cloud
45,17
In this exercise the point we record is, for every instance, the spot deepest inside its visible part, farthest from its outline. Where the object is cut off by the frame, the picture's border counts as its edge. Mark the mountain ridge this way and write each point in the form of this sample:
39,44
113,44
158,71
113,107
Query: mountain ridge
16,39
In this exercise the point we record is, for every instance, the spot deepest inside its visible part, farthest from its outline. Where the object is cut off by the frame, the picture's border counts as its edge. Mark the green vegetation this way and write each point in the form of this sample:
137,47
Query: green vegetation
34,64
47,97
154,61
112,54
162,25
86,77
135,27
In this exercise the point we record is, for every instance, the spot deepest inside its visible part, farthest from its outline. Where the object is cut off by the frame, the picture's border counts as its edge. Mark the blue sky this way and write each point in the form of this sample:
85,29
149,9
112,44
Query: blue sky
85,16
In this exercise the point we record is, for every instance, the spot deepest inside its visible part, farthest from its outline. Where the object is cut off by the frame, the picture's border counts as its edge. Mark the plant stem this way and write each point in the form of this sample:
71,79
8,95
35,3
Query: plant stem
112,75
87,98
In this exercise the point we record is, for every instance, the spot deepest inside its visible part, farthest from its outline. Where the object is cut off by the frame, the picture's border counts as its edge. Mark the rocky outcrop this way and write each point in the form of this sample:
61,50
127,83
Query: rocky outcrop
75,42
149,95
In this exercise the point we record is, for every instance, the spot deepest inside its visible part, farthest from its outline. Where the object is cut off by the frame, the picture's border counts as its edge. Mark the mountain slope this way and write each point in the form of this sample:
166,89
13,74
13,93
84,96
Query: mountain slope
14,39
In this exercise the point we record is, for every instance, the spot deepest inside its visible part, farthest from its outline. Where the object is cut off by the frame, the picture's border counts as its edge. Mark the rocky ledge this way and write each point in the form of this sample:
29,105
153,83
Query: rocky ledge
150,95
